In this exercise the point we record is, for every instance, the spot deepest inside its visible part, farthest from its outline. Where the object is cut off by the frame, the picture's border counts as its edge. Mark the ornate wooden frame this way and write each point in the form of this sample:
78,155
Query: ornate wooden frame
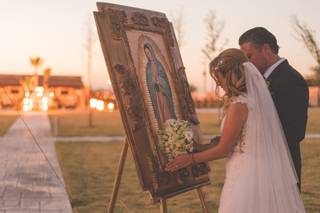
113,22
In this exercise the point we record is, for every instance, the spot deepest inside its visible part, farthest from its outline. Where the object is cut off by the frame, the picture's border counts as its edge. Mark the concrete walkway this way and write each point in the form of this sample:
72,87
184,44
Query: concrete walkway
27,182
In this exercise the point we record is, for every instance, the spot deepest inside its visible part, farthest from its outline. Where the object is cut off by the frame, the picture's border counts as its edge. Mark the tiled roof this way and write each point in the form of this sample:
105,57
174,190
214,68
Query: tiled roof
53,81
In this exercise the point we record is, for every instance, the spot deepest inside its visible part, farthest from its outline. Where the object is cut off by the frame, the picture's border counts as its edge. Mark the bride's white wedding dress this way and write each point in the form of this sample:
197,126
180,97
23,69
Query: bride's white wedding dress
260,176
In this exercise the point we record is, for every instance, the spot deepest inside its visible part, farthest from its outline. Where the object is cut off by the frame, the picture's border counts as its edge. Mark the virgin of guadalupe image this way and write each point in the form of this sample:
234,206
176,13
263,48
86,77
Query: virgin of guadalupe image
158,87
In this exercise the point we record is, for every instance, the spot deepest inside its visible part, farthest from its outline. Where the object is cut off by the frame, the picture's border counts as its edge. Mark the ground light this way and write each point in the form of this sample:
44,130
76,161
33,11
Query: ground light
96,104
110,106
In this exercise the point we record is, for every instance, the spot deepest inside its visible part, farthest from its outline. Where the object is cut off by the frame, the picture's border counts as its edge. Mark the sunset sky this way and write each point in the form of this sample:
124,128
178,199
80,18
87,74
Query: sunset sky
56,31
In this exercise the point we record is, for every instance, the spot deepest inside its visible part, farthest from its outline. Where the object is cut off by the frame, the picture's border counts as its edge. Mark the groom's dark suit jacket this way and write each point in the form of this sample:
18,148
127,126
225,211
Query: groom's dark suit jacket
291,97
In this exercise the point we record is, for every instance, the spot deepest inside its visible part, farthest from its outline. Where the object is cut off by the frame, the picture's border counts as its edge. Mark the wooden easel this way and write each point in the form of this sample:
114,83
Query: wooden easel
163,201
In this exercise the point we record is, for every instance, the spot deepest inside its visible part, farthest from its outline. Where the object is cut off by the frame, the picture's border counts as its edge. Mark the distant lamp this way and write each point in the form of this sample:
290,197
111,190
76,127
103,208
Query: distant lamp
93,103
45,100
27,104
110,107
44,107
25,101
51,95
25,108
30,104
100,105
39,91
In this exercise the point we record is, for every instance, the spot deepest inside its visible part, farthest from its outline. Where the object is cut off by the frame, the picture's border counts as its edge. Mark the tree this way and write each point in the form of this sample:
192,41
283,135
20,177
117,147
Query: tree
179,25
27,84
47,72
46,75
36,62
308,37
88,46
214,29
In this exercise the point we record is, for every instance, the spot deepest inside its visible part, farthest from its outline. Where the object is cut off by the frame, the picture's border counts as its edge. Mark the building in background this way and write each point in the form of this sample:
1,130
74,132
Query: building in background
29,92
107,97
314,92
69,92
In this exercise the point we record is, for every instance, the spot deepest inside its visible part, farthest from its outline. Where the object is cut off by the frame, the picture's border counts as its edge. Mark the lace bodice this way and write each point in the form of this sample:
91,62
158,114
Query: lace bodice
239,145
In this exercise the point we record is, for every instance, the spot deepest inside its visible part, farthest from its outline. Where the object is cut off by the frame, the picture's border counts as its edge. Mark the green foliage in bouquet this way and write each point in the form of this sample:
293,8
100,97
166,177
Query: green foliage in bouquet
176,137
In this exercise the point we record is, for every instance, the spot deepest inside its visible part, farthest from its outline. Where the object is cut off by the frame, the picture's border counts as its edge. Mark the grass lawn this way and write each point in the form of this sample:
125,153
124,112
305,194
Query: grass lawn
6,120
109,123
89,170
77,123
313,120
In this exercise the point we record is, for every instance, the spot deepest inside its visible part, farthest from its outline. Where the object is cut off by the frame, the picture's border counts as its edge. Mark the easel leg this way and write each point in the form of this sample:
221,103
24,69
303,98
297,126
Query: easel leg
163,205
203,202
118,177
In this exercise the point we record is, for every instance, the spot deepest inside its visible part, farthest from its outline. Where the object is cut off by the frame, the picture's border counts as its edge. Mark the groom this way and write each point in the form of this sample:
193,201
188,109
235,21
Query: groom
288,88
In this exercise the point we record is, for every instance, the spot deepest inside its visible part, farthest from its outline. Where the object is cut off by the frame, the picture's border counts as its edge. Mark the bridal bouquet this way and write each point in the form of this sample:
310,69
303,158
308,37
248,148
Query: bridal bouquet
176,138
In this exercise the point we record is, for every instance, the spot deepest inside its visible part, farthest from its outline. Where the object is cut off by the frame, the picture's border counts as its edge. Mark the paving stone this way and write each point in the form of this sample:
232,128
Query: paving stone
11,204
22,211
32,204
54,204
35,195
27,182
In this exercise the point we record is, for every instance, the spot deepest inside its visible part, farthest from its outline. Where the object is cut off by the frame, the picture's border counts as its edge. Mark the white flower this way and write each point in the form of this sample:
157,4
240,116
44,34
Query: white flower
176,138
170,122
188,135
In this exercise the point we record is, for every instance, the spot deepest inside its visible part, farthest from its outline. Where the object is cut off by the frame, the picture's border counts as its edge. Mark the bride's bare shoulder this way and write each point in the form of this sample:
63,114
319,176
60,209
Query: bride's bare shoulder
238,110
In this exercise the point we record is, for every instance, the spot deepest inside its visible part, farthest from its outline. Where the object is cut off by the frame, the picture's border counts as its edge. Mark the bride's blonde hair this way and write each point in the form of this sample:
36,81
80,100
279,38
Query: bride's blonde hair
229,63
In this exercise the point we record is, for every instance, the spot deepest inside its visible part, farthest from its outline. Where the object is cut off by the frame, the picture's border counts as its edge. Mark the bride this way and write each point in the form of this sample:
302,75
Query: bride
260,176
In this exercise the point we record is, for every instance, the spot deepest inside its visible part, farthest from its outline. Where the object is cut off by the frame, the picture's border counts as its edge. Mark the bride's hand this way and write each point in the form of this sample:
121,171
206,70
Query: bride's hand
197,147
179,162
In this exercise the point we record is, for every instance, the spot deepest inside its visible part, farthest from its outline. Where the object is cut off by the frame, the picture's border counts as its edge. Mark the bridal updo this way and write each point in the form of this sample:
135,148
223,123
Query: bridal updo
229,64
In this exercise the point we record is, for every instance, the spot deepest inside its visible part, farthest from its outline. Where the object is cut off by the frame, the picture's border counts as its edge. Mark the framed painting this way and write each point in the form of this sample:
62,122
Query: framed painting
150,85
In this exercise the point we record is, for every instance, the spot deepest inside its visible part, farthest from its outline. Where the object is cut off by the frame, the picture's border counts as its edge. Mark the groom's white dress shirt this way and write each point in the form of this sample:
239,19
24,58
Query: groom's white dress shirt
272,67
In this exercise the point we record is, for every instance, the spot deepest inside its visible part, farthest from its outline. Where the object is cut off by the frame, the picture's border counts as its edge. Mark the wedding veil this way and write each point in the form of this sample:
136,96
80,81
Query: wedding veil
273,186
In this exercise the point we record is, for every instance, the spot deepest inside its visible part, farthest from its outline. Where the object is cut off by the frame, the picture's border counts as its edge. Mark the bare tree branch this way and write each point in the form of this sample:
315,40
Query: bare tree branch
179,25
214,29
308,37
213,36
